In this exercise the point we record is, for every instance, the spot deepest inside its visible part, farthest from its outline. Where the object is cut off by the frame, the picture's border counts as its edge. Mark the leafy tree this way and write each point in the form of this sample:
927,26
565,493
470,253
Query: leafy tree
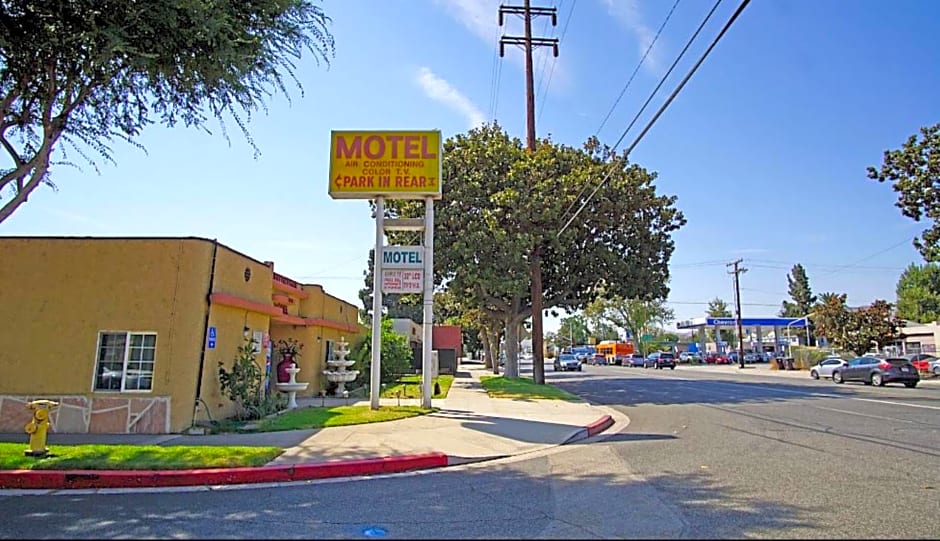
87,72
801,295
914,172
572,331
500,201
872,325
718,308
637,316
831,316
918,292
602,330
395,359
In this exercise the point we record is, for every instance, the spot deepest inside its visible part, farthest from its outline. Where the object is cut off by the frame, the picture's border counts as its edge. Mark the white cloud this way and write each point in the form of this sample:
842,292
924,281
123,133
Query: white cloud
628,13
442,91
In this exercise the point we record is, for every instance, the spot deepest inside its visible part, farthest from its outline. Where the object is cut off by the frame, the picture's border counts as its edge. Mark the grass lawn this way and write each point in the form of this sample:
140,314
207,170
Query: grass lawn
304,418
410,387
134,457
502,387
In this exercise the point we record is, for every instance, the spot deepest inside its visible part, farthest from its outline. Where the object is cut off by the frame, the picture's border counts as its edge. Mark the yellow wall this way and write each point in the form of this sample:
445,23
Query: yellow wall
57,294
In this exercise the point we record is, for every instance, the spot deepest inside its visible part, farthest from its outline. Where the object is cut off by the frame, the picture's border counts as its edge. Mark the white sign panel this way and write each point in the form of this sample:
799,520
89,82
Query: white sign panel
402,281
403,257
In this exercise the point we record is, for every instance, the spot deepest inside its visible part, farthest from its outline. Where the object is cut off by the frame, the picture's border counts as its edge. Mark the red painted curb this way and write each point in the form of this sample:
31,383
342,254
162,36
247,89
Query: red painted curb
599,425
63,479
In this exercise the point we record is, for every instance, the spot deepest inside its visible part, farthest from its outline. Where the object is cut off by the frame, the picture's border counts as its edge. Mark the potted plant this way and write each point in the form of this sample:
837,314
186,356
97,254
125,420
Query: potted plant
289,349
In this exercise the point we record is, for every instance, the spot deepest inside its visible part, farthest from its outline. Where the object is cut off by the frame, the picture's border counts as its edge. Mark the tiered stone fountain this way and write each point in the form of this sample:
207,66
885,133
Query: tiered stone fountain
337,371
291,387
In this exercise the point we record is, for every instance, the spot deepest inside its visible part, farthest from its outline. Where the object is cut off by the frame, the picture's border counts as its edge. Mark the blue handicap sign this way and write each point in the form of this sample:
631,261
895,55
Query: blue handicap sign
212,333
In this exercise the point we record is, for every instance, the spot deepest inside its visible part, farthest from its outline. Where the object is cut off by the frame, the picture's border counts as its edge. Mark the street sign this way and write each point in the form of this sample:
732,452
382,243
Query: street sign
212,335
403,257
402,280
647,337
394,164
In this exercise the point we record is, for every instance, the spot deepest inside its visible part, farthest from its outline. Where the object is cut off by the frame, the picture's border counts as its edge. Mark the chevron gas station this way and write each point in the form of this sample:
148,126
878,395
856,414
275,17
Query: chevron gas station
770,335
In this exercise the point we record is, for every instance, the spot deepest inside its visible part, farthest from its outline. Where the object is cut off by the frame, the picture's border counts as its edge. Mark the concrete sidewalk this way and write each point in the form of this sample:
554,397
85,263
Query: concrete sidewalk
469,426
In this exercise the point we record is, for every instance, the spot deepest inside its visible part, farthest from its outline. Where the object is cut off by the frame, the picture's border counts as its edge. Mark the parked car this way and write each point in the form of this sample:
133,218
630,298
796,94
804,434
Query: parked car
689,357
934,367
825,367
597,358
660,360
567,361
874,371
636,360
921,361
717,358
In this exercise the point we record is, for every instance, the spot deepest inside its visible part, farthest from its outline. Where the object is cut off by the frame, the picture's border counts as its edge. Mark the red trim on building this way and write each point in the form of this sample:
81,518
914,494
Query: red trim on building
285,284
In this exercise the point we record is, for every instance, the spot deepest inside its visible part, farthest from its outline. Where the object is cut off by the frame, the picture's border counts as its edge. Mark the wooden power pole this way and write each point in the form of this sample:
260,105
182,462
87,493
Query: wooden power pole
737,271
535,257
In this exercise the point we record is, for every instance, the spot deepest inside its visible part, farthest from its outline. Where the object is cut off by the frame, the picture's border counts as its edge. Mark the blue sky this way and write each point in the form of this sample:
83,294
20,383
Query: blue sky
766,147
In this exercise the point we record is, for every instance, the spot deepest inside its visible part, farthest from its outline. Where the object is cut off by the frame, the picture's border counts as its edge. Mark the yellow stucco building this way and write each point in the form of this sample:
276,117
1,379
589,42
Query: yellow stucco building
127,333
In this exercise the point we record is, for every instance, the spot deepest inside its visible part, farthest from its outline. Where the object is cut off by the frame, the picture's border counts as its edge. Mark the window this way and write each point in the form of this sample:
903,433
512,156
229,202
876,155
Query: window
329,350
125,361
913,348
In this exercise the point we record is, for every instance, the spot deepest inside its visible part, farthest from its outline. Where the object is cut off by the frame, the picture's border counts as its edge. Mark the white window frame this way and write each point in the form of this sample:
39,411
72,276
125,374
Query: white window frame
126,359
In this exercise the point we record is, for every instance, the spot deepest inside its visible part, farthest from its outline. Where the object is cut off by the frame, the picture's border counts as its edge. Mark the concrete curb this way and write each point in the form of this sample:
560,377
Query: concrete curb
83,479
598,426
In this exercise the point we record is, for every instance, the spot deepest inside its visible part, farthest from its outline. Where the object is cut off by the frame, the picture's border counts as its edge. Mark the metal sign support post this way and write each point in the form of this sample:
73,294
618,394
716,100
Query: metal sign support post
426,355
375,387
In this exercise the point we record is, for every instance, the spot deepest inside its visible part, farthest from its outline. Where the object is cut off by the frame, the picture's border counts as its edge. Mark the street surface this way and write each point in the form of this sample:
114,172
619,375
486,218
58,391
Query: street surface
705,456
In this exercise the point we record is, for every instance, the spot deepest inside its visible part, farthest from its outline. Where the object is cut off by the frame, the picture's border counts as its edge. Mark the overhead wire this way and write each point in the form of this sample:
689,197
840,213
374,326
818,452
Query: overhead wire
540,102
664,106
630,80
637,68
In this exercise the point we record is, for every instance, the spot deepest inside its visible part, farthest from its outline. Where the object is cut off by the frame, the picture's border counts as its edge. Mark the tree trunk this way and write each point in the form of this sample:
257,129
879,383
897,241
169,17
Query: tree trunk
512,348
487,359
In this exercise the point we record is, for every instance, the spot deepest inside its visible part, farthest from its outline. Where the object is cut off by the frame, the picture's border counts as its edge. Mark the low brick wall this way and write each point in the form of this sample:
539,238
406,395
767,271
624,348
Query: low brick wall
78,414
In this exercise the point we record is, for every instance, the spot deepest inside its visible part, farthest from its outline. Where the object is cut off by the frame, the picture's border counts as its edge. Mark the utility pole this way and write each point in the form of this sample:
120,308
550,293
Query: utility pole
737,271
535,257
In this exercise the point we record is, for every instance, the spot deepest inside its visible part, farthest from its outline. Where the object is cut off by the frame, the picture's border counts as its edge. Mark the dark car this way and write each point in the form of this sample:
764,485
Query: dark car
874,371
660,360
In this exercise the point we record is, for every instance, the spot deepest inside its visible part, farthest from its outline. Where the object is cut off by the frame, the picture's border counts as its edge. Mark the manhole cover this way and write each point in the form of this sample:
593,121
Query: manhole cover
374,531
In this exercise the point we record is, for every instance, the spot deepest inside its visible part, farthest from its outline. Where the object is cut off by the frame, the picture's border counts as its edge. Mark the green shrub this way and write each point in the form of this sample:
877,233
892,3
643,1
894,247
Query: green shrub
805,358
243,386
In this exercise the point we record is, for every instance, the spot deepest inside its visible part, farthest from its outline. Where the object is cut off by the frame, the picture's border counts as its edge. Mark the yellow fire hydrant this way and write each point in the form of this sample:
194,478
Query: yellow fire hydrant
38,427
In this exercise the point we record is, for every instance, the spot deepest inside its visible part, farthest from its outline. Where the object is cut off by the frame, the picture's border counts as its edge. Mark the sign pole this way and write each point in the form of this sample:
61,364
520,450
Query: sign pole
374,383
426,355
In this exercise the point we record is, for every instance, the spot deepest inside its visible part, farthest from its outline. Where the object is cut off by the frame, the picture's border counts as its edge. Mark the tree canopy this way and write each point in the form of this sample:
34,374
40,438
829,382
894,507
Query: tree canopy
918,292
639,317
87,72
914,172
499,201
859,329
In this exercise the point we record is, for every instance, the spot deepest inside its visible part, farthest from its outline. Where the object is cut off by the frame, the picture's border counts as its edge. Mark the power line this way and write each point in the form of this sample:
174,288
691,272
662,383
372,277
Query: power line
652,94
866,258
662,109
639,64
551,71
544,59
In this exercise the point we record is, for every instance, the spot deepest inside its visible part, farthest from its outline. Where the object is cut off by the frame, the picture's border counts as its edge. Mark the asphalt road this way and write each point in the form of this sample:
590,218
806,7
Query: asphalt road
704,456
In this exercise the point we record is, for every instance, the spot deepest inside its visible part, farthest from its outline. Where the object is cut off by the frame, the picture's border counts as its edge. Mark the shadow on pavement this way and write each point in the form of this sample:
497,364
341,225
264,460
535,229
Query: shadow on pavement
495,502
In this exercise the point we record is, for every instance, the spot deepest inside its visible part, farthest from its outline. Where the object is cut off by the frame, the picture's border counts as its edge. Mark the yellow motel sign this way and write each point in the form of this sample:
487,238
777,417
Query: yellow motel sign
393,164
